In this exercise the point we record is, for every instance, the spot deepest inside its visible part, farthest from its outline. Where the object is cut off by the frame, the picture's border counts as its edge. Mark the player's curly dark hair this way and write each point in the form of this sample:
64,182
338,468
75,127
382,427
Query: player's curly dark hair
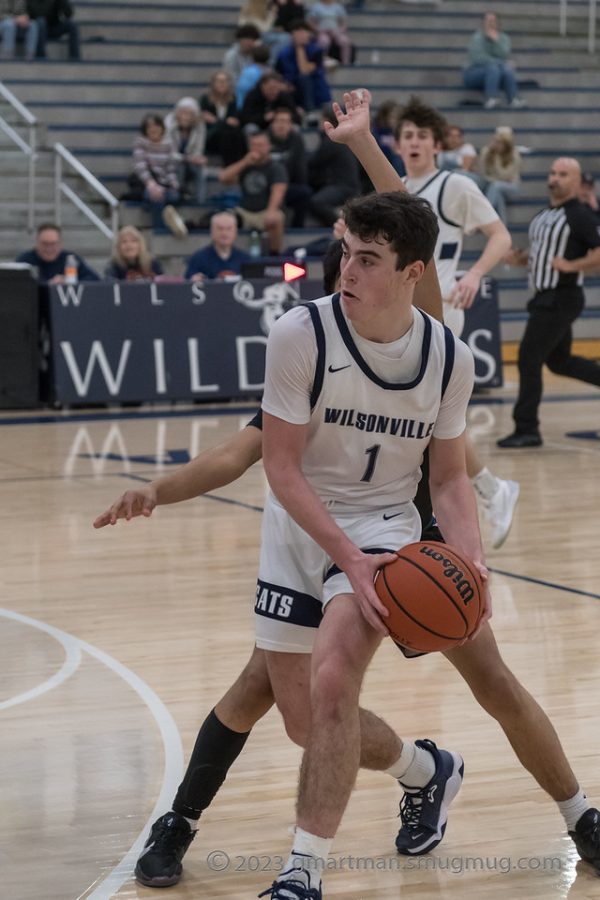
331,266
404,221
423,116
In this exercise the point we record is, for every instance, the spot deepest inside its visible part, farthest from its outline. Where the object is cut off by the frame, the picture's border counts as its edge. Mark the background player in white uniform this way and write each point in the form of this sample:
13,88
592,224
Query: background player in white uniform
461,209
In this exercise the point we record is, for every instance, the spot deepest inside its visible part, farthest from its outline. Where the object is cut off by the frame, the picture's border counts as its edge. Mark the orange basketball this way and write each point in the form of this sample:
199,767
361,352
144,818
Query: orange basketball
434,596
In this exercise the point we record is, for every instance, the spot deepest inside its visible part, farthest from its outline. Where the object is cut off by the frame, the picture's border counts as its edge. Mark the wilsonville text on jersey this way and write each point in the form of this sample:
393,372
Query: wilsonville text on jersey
351,418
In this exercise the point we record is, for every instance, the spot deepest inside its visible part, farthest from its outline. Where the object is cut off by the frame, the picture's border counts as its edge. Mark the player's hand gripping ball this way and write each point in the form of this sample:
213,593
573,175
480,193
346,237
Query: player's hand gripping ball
433,594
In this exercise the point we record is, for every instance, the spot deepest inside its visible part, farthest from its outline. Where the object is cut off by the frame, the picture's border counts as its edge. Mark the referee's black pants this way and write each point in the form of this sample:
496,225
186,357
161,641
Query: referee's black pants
547,339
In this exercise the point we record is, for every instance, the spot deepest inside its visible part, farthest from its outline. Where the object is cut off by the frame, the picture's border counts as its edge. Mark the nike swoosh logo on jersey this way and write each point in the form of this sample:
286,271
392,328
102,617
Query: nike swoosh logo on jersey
339,368
392,516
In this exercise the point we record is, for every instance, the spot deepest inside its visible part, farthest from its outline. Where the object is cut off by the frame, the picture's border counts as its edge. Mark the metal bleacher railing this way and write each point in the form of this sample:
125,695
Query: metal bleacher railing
28,147
62,156
563,16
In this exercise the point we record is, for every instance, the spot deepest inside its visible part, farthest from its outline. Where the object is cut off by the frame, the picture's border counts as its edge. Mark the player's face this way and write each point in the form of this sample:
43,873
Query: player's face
417,147
373,291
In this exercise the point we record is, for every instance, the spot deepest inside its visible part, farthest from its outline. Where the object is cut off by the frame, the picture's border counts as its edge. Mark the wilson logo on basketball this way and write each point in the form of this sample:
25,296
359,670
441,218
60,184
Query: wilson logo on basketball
464,587
433,596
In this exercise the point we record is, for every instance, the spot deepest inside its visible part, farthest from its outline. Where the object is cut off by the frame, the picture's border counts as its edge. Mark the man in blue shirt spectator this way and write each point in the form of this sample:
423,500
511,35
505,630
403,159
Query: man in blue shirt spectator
50,257
220,258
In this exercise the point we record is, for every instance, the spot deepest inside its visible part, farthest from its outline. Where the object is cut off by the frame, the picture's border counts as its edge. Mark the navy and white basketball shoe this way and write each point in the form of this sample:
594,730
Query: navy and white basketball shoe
424,811
295,888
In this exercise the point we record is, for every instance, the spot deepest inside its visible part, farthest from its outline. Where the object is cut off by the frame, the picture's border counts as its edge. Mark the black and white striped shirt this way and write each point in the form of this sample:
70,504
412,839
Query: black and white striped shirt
568,231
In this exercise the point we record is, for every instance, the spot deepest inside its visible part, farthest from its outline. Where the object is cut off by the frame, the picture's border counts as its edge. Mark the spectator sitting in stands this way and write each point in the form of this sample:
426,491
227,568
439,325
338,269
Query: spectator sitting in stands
328,18
224,136
488,67
263,184
131,260
260,13
55,19
333,174
287,147
155,165
187,131
221,258
50,257
263,13
500,164
288,12
15,25
270,93
251,74
301,65
587,193
384,127
238,56
456,155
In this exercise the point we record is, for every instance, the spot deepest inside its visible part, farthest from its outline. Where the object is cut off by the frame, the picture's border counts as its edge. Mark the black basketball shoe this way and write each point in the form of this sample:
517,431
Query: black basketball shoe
159,864
586,837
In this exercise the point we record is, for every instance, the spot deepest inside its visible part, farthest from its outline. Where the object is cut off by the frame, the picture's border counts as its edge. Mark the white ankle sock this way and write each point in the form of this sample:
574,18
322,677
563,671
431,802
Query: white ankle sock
415,767
193,823
573,809
485,483
308,850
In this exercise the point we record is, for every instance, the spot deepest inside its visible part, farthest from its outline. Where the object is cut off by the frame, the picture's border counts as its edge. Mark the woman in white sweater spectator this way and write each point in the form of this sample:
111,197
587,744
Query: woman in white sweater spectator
500,165
187,130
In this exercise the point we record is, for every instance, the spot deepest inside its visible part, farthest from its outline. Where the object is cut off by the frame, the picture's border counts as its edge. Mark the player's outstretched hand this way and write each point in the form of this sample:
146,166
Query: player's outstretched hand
353,123
361,574
140,502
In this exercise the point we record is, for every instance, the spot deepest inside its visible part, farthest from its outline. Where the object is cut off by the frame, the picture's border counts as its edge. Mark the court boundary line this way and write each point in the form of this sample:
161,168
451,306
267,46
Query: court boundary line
108,885
70,665
69,418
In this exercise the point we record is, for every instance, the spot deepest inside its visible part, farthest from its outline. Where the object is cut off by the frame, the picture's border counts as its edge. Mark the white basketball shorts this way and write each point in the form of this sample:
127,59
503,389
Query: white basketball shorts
296,578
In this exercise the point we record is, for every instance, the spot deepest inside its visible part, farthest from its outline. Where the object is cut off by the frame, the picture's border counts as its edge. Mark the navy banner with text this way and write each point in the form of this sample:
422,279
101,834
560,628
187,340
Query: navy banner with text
120,342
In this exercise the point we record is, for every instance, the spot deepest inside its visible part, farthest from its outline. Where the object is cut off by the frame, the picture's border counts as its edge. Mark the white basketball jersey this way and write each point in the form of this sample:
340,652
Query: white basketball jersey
450,239
367,436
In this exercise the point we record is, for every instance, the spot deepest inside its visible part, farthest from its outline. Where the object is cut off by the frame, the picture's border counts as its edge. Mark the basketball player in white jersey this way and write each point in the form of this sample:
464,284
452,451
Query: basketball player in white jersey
461,209
356,387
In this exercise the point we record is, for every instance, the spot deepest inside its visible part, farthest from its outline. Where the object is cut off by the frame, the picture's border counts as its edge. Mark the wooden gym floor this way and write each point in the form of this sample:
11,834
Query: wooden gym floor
115,644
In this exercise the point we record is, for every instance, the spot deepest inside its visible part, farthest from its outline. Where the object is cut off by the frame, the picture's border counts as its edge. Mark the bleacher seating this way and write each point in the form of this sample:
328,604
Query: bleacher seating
142,56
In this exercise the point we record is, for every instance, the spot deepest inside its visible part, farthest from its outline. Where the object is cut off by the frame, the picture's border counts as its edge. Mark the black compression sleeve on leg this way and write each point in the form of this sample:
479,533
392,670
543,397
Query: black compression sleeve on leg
216,749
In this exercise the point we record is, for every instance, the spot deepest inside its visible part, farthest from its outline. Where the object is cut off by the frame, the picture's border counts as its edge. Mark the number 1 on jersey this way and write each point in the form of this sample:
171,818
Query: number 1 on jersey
372,453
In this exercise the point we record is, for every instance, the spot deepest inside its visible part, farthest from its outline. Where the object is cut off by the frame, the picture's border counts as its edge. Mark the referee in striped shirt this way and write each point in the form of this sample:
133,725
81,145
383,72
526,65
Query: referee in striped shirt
564,242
